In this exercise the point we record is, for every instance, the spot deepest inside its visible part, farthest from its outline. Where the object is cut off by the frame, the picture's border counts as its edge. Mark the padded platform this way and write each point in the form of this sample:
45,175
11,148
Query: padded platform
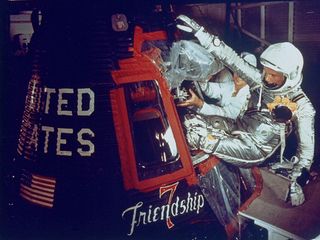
272,211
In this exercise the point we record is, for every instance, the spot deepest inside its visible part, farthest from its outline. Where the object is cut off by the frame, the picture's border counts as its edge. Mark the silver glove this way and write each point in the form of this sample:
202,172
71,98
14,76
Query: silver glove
193,140
296,194
196,128
198,133
196,141
189,25
285,163
194,121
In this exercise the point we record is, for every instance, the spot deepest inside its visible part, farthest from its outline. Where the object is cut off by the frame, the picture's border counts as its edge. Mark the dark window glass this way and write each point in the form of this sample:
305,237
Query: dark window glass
155,148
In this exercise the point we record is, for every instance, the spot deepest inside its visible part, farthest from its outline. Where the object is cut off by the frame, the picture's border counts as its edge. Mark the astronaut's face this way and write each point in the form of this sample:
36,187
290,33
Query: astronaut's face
272,78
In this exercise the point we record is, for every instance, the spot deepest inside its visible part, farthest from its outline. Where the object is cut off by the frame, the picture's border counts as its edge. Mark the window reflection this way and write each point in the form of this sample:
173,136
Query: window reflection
154,144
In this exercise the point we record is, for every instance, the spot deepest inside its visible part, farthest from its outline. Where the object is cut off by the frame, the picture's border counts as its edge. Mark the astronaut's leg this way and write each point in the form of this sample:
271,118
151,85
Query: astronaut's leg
243,150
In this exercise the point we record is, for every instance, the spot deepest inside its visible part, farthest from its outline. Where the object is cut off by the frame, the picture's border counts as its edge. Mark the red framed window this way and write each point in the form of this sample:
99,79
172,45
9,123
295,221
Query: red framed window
151,142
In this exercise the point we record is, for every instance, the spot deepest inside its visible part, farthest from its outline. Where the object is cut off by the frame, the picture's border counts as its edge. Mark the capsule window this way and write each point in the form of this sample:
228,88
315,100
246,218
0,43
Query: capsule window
151,142
154,145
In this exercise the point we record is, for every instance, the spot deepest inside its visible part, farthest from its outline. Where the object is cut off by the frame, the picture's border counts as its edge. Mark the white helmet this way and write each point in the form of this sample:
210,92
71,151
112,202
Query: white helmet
287,59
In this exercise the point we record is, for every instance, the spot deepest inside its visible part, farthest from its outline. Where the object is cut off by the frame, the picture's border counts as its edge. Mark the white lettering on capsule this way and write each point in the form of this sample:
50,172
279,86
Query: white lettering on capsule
139,217
83,99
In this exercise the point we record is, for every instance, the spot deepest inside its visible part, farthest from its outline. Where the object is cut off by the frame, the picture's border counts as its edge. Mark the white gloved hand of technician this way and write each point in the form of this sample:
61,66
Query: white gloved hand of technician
296,194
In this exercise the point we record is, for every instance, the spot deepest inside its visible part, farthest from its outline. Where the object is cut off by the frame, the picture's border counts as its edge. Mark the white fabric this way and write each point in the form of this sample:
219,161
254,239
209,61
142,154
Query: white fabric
296,194
228,105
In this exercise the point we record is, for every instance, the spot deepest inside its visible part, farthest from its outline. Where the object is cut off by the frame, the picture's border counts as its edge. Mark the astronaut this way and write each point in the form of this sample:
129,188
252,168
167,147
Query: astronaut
260,132
231,92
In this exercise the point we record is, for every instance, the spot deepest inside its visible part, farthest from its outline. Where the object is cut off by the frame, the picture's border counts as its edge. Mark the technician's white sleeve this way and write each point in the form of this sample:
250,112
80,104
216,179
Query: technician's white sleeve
217,84
231,107
213,90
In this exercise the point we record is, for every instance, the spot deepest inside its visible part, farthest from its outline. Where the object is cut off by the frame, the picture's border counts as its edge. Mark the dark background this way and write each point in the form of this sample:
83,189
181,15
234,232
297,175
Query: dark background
15,70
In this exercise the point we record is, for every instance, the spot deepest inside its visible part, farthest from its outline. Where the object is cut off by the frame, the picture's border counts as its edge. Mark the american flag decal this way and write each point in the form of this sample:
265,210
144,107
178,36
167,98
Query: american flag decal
37,189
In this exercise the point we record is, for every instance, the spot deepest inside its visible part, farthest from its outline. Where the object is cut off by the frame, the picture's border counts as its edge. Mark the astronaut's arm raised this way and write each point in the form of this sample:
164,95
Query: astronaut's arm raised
221,51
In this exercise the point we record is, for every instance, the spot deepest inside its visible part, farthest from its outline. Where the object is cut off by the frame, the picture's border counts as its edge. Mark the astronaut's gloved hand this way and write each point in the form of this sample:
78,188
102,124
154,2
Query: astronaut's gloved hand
196,128
286,164
193,140
196,142
296,194
301,172
188,25
198,134
193,120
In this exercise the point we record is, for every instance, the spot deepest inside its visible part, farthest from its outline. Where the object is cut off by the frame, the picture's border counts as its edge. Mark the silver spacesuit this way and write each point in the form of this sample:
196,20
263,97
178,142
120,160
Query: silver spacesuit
258,135
246,142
